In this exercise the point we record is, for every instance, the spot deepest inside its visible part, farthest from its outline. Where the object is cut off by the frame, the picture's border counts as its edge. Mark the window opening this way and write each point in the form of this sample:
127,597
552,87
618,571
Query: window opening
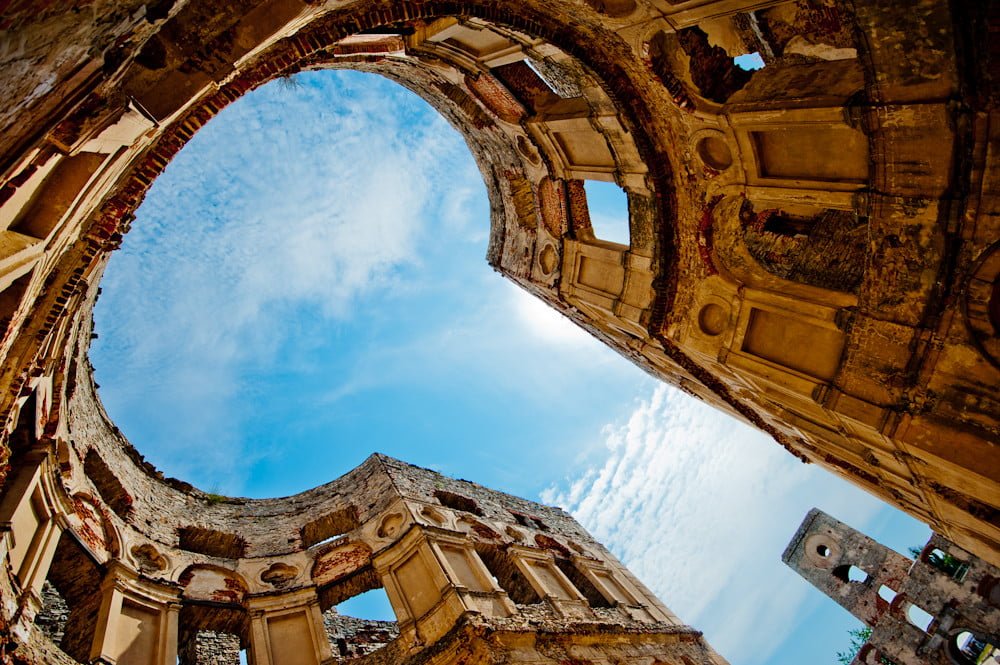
594,597
210,646
541,74
608,206
372,604
75,580
847,573
969,648
525,83
788,225
330,527
919,617
823,551
716,75
211,542
52,618
508,576
946,563
529,521
360,625
886,594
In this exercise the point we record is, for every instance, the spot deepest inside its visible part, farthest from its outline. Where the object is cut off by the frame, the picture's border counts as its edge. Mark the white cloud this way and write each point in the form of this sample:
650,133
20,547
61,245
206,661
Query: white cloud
701,507
293,201
545,323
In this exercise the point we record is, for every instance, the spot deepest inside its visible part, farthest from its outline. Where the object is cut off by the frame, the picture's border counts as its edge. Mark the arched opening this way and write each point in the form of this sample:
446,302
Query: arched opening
969,648
919,617
946,563
886,595
849,573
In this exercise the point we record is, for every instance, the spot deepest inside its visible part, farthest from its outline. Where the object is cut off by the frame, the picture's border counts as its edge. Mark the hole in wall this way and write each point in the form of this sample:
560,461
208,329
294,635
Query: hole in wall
457,502
946,563
848,573
749,61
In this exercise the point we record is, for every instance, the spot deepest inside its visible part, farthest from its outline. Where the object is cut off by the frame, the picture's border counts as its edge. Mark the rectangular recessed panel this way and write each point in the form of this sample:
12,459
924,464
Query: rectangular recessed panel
291,640
615,589
478,42
550,582
416,582
601,276
137,634
823,153
26,522
585,149
458,560
797,344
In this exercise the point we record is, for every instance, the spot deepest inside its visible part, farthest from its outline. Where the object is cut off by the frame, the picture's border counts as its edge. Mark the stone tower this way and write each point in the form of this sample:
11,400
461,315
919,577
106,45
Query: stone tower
943,607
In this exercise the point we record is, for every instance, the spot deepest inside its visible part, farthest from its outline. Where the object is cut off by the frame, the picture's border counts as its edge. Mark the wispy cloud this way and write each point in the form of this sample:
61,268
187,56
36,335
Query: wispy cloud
700,507
291,208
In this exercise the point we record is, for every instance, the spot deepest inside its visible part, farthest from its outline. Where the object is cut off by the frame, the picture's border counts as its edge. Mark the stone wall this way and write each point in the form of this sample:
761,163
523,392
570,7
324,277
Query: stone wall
352,637
209,648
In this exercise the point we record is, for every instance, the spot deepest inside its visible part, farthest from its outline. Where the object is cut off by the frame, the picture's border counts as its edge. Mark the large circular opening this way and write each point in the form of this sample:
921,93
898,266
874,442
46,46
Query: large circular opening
305,285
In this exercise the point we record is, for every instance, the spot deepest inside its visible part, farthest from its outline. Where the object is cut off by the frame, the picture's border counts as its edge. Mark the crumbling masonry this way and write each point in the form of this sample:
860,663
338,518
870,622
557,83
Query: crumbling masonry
942,607
813,248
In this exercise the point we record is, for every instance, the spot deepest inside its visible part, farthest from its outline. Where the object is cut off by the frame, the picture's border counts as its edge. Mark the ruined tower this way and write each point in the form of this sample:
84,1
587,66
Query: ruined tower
943,607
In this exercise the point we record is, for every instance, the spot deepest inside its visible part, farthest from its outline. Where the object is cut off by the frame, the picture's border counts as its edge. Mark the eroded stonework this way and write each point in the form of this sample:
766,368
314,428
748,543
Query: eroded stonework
942,607
470,573
813,249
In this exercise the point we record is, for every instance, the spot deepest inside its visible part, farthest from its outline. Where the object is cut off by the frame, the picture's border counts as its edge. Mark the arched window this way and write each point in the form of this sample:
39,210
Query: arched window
919,617
968,648
946,563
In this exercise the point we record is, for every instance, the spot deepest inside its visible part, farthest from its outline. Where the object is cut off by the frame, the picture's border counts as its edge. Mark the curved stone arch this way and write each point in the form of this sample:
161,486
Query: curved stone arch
305,50
92,524
105,232
213,583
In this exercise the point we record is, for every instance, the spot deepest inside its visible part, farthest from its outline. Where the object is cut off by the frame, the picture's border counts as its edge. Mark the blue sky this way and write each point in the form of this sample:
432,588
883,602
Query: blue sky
306,284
